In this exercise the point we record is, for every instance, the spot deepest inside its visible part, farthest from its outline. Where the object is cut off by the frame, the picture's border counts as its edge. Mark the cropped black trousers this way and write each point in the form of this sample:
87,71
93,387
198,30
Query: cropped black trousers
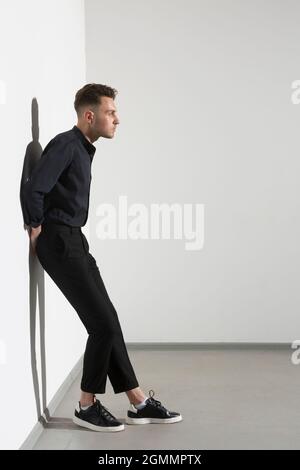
63,252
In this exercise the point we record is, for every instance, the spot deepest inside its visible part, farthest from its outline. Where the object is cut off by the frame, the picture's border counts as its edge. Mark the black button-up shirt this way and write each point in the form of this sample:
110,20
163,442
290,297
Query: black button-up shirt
58,189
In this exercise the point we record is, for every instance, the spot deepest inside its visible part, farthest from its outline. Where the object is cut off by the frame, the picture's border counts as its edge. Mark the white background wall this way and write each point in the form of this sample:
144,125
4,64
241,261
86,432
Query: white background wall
205,117
42,56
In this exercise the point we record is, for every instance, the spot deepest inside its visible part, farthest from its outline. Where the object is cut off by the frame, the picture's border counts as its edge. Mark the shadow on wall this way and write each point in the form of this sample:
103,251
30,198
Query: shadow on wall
36,276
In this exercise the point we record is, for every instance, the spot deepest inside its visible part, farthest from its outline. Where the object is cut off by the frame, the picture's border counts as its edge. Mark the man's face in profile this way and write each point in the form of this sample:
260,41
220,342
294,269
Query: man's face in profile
105,118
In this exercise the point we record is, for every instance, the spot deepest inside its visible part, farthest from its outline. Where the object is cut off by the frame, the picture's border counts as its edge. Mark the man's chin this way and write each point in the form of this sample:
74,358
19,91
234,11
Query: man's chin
108,136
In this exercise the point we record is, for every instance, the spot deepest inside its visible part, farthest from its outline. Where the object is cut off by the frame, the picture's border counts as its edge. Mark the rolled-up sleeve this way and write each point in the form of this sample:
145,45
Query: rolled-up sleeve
56,157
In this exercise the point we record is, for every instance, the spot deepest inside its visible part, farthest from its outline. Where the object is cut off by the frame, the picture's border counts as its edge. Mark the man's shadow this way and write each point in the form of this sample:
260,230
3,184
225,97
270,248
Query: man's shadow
36,275
37,289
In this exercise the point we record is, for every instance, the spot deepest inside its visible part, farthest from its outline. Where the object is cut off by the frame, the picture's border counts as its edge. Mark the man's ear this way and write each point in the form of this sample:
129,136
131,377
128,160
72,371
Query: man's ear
89,116
86,115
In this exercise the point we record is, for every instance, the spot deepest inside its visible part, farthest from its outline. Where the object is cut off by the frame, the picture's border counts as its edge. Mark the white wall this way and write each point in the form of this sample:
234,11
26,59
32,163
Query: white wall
205,117
42,56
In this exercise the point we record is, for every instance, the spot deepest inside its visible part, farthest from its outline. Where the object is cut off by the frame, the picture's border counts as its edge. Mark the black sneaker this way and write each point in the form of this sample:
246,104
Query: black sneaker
97,418
153,412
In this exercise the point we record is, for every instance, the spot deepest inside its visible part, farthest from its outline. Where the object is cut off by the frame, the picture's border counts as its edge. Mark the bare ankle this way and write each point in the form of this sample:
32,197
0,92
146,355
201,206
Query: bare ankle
85,403
86,399
136,396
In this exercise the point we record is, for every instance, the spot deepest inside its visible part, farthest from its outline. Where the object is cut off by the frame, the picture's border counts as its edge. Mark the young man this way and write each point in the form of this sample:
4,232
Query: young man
55,202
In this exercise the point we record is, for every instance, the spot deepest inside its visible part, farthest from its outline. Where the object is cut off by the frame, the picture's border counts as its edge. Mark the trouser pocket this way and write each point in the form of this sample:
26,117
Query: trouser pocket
60,244
71,245
64,244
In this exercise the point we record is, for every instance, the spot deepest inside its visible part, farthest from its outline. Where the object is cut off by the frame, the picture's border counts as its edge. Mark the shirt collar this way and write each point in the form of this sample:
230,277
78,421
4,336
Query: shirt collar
91,149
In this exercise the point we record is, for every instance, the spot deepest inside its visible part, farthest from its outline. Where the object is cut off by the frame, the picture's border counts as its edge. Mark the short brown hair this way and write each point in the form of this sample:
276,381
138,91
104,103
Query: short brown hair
91,94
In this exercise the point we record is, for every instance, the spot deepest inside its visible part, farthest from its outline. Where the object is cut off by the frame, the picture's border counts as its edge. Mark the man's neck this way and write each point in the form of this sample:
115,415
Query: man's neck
84,131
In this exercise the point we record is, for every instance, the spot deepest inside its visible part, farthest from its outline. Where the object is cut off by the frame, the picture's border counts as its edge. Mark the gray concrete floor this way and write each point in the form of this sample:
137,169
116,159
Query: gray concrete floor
229,399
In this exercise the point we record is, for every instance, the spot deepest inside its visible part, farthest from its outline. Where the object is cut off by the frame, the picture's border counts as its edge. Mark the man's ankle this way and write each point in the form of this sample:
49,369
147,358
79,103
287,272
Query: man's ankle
137,401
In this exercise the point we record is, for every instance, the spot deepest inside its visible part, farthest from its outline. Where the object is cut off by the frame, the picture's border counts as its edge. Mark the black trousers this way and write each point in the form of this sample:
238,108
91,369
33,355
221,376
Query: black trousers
63,252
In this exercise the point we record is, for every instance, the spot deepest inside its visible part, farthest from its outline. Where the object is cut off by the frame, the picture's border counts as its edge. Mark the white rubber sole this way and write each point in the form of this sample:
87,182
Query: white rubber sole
93,427
175,419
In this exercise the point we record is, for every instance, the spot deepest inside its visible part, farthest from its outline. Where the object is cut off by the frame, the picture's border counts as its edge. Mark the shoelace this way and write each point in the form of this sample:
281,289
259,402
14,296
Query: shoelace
155,402
103,410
